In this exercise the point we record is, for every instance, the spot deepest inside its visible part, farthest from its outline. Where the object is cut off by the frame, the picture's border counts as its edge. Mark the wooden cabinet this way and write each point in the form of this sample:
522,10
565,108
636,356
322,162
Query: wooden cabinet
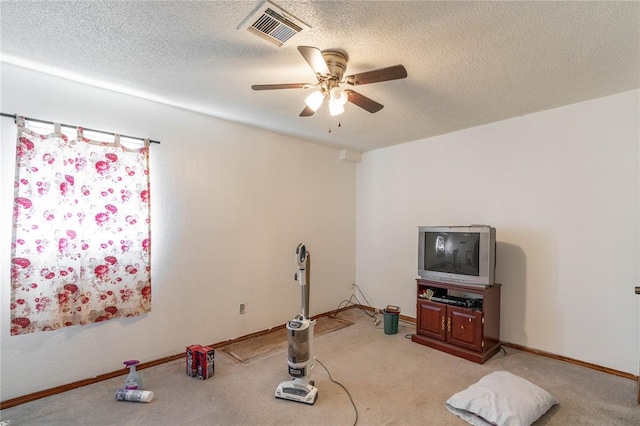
471,331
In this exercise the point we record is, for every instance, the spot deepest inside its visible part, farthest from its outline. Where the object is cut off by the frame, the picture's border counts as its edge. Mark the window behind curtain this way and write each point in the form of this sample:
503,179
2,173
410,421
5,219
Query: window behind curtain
81,231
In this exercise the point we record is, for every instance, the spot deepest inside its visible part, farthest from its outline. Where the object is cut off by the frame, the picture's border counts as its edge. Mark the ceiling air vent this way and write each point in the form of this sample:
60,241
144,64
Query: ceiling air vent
271,23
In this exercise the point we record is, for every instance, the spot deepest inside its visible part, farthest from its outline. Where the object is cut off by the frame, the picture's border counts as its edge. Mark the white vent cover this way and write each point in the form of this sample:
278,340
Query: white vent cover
272,24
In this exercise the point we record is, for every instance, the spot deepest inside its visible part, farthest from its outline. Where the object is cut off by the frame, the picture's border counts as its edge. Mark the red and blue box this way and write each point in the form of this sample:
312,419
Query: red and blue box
200,361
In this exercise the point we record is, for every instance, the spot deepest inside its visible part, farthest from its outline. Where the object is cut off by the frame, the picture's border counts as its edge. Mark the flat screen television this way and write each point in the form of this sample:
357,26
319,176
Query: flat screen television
464,255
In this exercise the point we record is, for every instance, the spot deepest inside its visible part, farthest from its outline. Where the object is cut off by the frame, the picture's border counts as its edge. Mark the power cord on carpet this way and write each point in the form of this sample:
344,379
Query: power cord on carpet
358,305
365,297
343,387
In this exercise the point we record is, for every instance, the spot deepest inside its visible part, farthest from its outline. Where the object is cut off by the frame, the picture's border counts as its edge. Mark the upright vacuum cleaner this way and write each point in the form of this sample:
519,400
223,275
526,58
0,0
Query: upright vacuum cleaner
300,342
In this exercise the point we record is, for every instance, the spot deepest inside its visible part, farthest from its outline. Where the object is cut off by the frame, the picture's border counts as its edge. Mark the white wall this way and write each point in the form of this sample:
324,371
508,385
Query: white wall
230,203
560,186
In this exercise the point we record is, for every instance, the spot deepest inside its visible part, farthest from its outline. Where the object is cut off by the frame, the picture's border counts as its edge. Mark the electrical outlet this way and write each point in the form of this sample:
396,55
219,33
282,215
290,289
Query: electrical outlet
241,308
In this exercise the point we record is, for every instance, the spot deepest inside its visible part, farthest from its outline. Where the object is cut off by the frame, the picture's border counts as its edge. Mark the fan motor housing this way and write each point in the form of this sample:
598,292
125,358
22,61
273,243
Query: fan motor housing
336,62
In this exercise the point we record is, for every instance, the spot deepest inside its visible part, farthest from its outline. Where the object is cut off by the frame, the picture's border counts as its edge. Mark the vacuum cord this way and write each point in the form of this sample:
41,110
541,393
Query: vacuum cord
342,386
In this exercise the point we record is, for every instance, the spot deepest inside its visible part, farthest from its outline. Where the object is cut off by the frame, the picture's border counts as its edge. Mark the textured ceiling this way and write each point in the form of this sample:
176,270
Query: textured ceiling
468,63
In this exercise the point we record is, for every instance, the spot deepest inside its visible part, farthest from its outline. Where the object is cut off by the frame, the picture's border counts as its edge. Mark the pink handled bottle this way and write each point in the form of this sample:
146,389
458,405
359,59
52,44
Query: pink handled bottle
133,381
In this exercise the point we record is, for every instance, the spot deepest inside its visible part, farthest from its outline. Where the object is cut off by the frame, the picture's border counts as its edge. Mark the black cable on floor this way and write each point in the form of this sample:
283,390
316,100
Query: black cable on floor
365,297
342,386
357,304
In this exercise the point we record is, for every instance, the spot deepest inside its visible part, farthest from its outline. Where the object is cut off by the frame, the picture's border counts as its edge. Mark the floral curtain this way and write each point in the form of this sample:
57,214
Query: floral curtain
81,231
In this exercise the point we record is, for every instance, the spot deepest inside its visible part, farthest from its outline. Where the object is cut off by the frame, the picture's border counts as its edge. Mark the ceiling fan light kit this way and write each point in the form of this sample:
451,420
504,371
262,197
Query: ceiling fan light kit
339,96
329,67
335,109
314,100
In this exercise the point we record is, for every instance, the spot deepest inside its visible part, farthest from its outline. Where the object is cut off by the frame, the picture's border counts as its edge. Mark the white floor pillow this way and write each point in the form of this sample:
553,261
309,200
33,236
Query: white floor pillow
502,399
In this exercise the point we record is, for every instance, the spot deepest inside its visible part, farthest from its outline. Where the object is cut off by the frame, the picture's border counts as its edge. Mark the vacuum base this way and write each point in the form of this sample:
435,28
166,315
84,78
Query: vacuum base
297,390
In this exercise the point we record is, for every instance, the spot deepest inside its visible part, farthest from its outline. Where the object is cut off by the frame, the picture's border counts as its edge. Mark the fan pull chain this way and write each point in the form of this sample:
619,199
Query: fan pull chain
339,125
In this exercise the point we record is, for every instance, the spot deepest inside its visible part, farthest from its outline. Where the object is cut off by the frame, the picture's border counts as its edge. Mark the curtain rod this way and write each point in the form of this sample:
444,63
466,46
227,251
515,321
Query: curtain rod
15,117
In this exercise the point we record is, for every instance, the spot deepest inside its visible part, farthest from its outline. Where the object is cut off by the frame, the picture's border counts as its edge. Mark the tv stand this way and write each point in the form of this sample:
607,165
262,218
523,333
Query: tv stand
462,320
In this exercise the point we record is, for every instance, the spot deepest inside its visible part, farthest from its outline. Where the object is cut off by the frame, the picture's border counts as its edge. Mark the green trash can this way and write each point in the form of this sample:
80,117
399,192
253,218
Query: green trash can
390,322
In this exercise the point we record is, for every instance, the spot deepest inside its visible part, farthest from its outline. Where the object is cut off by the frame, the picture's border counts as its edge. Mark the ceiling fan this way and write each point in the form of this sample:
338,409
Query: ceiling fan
329,67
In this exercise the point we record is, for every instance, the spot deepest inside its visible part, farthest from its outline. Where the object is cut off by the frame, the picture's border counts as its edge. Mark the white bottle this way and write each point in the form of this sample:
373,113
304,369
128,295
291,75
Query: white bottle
134,395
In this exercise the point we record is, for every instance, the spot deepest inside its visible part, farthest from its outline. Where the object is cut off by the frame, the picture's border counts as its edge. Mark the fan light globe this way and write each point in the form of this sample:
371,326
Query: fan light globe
339,96
314,100
335,108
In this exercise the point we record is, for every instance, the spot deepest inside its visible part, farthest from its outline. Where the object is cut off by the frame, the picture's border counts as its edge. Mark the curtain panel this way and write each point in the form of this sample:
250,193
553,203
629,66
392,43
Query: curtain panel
81,231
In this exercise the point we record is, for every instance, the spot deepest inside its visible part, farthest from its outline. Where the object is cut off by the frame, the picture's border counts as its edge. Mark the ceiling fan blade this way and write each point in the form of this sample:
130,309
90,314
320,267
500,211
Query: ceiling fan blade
363,102
280,86
314,58
307,112
383,74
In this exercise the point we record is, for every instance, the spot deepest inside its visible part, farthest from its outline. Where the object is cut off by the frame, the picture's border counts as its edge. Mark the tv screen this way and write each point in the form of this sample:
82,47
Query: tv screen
454,253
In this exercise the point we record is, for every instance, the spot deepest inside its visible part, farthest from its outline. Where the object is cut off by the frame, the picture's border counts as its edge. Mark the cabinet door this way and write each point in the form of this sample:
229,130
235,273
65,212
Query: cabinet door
431,319
464,328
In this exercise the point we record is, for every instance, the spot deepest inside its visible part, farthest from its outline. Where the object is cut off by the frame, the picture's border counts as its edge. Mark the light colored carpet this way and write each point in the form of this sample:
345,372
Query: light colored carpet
267,343
392,380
